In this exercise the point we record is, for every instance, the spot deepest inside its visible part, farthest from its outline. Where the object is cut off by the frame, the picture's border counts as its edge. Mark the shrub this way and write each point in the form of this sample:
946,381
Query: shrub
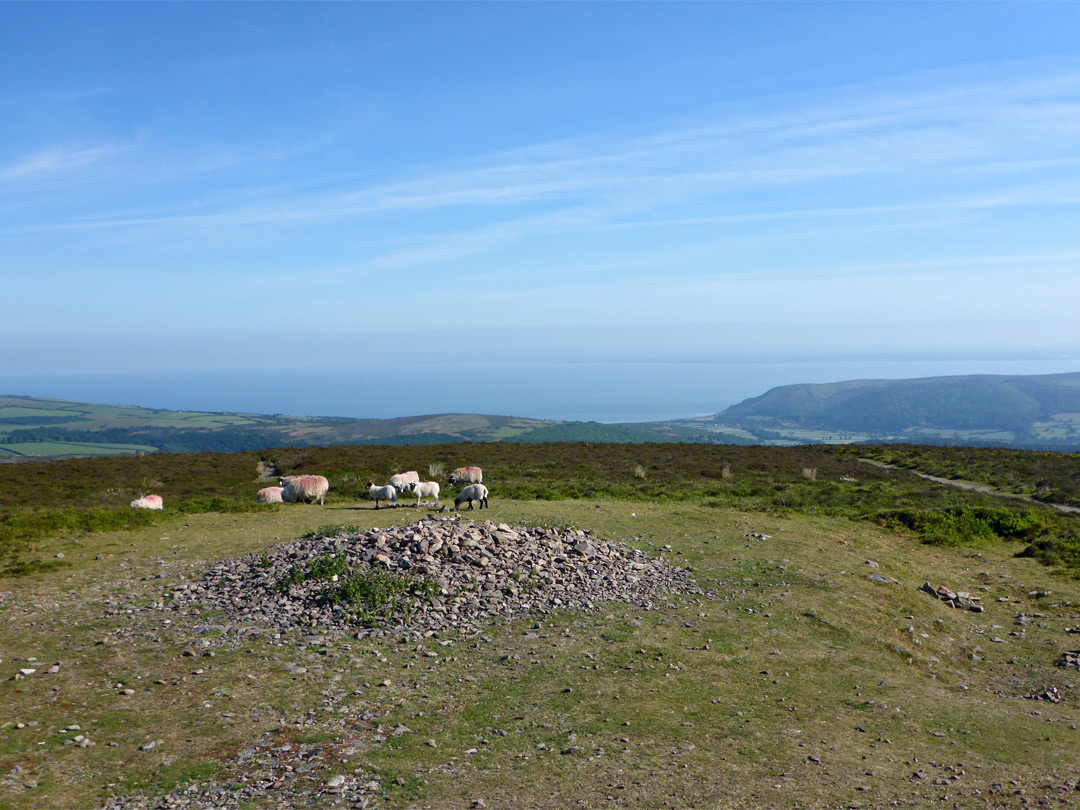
958,526
1060,551
378,594
329,530
319,569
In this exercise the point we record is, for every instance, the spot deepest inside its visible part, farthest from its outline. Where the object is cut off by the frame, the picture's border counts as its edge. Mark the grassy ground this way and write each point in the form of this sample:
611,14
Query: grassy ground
799,681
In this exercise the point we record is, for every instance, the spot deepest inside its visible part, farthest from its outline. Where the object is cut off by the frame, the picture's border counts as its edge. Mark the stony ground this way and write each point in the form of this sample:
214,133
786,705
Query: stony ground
462,575
476,574
208,664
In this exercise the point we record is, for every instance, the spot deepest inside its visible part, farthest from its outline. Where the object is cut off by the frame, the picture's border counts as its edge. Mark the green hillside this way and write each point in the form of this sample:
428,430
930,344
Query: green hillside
33,428
1036,412
1023,411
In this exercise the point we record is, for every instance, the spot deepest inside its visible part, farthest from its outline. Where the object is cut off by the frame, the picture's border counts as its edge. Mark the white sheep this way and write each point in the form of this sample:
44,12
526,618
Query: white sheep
466,475
148,502
424,489
473,492
269,495
387,493
401,481
304,488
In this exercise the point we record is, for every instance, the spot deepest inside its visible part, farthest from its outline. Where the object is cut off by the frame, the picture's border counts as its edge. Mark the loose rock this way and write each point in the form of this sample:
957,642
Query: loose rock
450,575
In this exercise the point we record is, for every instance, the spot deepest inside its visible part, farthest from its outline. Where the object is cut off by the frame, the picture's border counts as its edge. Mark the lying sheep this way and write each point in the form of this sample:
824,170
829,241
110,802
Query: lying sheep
424,489
387,493
466,475
304,489
148,502
473,492
269,495
401,481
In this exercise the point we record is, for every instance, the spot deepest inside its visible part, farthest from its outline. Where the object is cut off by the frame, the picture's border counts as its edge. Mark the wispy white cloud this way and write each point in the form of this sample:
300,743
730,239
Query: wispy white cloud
47,164
1009,124
809,204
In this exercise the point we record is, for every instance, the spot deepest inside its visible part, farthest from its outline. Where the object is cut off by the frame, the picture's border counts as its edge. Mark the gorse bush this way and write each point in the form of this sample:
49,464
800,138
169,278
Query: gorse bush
1056,551
960,526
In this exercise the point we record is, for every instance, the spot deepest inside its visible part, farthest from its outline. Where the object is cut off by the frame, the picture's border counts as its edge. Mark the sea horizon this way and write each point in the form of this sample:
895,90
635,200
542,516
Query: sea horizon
589,392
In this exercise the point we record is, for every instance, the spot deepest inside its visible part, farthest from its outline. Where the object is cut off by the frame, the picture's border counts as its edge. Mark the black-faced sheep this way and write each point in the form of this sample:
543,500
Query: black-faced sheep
466,475
473,492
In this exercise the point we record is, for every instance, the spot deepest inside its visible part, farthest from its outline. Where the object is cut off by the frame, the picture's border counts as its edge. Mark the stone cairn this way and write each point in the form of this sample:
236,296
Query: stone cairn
954,599
451,575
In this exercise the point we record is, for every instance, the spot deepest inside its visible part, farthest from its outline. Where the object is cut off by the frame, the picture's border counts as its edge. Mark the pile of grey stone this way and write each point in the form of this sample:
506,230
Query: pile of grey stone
1070,659
954,599
471,574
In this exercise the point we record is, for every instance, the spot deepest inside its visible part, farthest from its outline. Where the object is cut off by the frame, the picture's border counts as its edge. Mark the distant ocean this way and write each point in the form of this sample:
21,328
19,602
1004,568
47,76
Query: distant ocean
600,392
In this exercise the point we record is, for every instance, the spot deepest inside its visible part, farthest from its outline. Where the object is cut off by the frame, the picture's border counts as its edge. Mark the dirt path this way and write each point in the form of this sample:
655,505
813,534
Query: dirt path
973,486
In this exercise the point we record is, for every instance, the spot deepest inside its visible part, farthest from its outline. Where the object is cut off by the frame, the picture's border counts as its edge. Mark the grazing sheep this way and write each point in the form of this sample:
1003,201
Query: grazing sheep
423,490
401,481
269,495
473,492
387,493
467,475
304,488
148,502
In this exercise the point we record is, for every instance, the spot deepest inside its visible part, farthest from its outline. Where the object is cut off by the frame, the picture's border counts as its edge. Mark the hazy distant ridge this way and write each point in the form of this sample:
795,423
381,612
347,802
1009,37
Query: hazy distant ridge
1039,410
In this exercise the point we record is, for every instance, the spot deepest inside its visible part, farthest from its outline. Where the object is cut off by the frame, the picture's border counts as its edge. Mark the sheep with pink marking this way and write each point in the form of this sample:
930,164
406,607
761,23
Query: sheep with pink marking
269,495
148,502
466,475
304,489
401,481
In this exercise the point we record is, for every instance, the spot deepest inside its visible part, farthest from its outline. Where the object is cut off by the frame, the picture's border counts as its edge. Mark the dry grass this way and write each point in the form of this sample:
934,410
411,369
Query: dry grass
799,681
809,473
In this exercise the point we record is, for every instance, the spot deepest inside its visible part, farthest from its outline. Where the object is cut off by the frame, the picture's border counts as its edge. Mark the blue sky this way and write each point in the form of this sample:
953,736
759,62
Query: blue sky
206,186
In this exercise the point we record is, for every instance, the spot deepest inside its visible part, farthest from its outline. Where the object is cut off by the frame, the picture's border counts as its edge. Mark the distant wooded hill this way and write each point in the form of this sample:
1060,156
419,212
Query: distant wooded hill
1020,411
32,428
1036,412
